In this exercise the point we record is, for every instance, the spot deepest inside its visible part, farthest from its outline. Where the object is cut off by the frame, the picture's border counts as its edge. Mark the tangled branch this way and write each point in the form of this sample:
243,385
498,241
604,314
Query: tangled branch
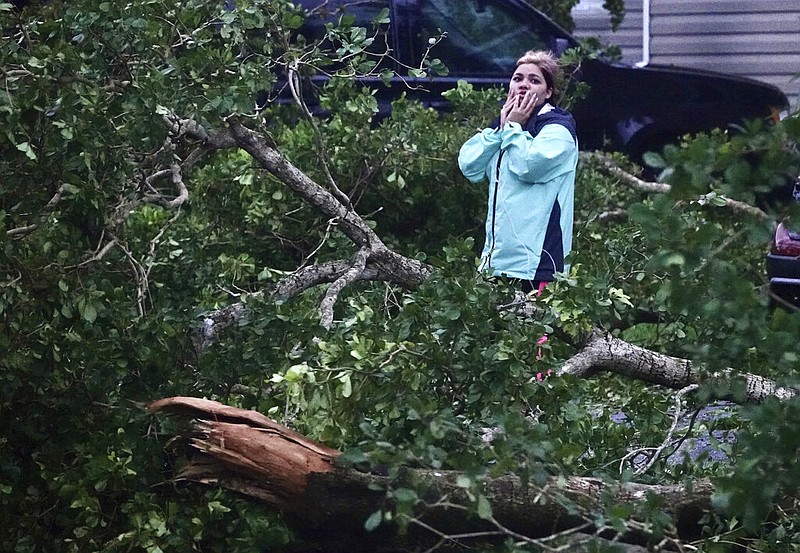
177,180
676,418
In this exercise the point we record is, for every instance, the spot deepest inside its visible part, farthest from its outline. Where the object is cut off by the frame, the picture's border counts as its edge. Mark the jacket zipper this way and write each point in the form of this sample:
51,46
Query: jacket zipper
494,206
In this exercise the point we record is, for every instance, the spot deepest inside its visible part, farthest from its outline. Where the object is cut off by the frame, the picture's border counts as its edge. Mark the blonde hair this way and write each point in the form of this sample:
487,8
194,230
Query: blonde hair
547,62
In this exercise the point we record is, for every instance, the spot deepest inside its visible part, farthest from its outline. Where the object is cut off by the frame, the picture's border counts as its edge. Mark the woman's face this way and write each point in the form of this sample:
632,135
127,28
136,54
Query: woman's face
529,76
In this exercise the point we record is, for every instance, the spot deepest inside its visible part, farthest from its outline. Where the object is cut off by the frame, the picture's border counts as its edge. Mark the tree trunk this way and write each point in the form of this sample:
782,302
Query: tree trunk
245,452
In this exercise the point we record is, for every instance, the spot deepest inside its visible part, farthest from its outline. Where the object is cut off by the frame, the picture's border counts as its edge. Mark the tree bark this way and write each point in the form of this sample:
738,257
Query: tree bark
327,502
372,255
604,352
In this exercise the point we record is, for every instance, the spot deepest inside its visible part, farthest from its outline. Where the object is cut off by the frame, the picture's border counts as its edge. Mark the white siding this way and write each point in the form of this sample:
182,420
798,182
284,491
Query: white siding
759,39
591,20
752,38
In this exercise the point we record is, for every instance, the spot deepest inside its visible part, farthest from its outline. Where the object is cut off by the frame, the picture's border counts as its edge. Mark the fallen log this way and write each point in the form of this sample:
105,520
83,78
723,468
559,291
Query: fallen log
328,502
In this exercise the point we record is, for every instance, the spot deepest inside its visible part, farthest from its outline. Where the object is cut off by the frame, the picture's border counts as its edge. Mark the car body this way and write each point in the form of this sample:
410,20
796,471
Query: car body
628,108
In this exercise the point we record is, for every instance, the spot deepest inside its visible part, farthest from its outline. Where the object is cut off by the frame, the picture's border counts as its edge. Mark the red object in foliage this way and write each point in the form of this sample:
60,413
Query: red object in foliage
786,242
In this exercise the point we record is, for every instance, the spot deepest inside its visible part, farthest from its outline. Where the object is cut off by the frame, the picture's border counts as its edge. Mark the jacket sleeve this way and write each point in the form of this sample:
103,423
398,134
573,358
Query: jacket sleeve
549,154
476,153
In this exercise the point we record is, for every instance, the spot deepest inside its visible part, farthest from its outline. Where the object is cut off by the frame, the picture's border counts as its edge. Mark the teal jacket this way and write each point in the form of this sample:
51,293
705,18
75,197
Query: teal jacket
531,176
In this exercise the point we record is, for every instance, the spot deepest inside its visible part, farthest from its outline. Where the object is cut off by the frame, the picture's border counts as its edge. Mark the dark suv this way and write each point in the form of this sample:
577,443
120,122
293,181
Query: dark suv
628,109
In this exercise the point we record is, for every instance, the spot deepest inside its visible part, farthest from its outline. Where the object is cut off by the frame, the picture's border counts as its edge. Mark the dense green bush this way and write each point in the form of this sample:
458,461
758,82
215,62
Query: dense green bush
90,333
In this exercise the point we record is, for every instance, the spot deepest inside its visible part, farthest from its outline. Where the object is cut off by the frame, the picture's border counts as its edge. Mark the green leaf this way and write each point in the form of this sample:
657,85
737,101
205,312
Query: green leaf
484,508
382,18
654,160
28,149
351,457
405,495
373,521
216,506
386,76
674,259
347,386
719,201
90,313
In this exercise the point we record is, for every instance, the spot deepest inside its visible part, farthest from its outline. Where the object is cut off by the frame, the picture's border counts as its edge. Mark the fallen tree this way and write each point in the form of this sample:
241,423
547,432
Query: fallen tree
329,503
144,191
597,350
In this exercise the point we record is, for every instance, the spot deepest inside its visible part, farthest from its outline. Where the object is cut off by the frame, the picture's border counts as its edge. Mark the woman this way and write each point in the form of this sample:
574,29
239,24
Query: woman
529,156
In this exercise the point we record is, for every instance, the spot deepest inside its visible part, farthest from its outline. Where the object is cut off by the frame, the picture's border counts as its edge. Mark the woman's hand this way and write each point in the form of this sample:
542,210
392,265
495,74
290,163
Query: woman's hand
518,109
506,109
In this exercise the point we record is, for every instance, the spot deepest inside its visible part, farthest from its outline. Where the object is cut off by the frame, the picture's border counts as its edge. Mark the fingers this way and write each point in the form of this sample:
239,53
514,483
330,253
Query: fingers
519,108
524,99
528,100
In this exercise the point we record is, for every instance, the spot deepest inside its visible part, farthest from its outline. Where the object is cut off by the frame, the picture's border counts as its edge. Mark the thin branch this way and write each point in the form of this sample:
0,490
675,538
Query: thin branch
21,232
319,143
148,181
142,286
450,538
177,180
675,420
612,215
612,167
689,427
332,293
56,198
307,258
142,270
100,253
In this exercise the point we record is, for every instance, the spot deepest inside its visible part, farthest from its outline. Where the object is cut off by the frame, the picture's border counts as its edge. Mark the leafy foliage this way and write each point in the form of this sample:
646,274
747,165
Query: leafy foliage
91,334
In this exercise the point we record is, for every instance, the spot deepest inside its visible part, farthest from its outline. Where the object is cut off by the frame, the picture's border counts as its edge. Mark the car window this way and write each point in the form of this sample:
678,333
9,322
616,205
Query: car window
364,11
483,37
